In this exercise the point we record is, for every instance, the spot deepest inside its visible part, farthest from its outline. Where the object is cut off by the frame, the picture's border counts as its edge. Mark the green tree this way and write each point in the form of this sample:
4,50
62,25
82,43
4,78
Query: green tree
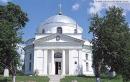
110,41
12,20
95,27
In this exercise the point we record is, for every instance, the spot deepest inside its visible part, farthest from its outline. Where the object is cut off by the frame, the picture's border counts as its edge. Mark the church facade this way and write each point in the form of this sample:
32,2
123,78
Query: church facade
58,49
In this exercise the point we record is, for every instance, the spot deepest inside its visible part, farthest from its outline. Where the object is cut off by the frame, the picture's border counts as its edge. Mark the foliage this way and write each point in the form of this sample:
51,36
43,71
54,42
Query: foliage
12,20
111,37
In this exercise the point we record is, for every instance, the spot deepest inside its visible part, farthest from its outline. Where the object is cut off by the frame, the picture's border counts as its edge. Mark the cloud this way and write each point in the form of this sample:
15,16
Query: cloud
75,7
4,1
98,5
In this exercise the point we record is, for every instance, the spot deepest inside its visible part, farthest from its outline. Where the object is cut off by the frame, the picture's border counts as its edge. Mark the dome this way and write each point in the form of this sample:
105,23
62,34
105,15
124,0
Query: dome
67,23
59,19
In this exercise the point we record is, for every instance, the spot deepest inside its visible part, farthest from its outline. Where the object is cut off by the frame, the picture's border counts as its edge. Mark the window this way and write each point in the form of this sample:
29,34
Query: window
30,56
75,31
59,30
75,62
87,67
30,66
86,56
43,31
57,38
58,55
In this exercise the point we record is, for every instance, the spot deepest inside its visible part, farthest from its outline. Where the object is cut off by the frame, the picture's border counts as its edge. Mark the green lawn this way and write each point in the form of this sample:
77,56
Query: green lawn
88,79
66,79
27,79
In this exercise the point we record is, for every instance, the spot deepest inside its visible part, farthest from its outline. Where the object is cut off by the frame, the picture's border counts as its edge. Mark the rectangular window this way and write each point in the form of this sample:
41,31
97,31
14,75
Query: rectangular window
59,30
87,67
86,56
30,66
75,31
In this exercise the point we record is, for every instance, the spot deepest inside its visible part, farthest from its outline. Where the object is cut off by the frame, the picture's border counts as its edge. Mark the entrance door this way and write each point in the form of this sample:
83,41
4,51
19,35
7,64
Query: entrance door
57,68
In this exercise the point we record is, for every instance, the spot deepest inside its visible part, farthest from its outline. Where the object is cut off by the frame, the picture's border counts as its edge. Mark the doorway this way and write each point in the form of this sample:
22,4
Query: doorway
57,68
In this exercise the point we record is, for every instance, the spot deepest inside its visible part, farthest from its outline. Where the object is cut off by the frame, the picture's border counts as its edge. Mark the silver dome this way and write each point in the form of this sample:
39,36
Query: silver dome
58,20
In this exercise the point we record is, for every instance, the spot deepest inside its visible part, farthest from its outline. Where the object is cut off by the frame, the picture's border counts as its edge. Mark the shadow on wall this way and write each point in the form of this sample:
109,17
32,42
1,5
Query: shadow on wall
79,70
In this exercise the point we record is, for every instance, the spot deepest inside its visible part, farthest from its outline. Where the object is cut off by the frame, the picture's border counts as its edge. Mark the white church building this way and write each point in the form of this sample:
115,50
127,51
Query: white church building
58,49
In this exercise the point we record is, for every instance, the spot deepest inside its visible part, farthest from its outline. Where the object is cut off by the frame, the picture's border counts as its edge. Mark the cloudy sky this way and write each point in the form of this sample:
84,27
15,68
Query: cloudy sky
79,10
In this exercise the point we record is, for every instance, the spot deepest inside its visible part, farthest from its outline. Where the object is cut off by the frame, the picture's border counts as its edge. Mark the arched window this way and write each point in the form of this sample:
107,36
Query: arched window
59,30
58,55
43,31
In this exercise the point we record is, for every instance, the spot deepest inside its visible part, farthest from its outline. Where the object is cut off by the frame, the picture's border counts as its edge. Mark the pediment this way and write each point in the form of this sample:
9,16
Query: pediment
59,38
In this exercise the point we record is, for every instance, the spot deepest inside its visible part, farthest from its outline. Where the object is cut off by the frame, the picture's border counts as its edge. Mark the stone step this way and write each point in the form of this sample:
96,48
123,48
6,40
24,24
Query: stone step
55,78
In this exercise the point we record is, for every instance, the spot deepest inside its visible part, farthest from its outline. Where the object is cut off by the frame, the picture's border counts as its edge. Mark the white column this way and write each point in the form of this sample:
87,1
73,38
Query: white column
52,63
70,63
63,62
45,62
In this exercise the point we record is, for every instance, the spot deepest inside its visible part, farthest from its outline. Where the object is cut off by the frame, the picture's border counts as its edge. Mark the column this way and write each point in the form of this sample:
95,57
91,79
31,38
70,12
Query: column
52,63
45,62
63,62
70,63
34,66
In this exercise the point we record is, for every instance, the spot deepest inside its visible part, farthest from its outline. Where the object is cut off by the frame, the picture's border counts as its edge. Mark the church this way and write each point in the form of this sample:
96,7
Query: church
58,48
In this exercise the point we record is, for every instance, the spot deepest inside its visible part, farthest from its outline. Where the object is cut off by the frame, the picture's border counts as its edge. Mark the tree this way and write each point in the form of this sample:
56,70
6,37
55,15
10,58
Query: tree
110,41
96,25
12,20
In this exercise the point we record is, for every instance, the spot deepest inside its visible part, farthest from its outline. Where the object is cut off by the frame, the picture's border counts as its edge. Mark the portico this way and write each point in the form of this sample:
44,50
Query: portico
57,63
54,61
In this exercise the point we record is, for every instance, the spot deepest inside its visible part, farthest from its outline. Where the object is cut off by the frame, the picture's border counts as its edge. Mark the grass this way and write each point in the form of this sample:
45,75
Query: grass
26,79
89,79
66,79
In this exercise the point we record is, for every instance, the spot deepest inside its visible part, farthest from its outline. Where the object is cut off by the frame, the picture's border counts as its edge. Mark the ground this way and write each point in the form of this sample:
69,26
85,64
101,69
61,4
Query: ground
27,79
66,79
89,79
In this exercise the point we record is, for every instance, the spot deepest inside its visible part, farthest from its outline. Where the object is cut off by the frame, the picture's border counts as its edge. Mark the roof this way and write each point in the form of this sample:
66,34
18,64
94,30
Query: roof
58,20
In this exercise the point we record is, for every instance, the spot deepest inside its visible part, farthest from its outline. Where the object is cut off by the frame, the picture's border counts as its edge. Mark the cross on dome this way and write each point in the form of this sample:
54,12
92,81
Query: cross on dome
60,8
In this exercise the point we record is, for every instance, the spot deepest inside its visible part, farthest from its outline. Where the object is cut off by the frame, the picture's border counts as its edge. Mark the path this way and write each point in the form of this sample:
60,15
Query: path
55,78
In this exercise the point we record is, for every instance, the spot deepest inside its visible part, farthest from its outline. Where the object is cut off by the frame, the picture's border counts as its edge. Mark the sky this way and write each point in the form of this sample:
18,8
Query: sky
79,10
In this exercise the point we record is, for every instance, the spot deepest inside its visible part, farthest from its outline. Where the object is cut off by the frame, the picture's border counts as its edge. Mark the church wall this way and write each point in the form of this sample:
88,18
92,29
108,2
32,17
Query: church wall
28,60
73,62
87,70
66,28
80,66
74,65
38,61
